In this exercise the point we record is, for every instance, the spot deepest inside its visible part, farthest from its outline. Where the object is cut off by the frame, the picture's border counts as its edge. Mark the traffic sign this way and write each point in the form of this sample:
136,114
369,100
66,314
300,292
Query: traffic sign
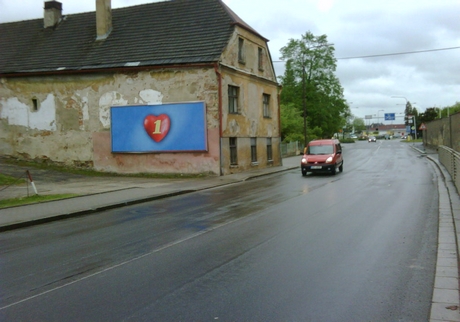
422,127
389,116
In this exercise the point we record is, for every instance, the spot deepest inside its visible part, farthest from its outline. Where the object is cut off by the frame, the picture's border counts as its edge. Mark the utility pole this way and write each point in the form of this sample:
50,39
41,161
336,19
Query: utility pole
304,102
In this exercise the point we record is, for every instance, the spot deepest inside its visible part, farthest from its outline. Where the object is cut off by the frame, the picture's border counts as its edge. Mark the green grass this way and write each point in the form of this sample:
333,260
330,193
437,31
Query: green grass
32,199
8,180
413,141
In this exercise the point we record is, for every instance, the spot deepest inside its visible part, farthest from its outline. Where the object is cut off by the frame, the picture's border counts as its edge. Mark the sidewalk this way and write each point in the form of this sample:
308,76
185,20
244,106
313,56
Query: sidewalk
445,301
101,193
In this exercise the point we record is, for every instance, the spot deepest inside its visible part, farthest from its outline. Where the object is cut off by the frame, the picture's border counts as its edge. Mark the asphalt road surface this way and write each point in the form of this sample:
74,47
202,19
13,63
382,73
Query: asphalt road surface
357,246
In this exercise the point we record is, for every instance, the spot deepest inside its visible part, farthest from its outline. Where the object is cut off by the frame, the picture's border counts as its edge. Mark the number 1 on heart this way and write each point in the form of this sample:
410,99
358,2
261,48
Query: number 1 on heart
157,127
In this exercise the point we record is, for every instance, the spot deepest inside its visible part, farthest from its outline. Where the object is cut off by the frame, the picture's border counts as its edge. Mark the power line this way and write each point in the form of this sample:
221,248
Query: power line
389,54
401,53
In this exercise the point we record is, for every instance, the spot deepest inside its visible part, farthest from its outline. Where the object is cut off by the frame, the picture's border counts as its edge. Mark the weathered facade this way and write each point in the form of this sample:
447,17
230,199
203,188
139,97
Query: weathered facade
59,77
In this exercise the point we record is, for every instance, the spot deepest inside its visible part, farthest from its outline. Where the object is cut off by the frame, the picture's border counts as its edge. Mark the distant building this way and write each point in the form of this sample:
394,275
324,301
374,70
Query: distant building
62,78
388,129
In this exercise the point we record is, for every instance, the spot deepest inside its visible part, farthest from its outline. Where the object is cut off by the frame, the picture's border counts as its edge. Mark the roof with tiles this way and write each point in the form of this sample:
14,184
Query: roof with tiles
160,33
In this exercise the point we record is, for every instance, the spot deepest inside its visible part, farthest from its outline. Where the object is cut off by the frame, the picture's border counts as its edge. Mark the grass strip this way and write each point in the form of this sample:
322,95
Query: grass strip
33,199
8,180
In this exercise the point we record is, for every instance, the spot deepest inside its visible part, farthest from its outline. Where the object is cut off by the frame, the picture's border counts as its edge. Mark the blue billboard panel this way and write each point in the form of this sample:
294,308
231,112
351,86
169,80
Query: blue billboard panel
159,128
389,116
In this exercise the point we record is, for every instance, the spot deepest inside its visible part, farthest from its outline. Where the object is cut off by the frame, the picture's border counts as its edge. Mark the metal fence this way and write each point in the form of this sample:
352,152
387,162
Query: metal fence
450,159
291,149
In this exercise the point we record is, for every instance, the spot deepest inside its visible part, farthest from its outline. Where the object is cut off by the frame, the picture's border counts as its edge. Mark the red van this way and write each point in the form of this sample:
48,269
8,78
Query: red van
322,156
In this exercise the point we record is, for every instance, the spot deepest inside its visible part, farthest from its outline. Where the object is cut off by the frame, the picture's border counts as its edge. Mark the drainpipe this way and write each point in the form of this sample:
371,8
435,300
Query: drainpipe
279,123
219,91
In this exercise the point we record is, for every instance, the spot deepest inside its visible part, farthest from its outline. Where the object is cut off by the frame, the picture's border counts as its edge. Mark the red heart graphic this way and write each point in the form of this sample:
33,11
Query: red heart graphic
157,126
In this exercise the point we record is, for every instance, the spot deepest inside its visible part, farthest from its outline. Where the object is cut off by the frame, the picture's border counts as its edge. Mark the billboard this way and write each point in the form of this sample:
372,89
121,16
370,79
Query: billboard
175,127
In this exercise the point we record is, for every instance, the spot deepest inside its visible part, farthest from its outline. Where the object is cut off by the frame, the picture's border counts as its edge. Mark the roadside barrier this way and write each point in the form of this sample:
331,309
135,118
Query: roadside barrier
31,182
26,175
450,159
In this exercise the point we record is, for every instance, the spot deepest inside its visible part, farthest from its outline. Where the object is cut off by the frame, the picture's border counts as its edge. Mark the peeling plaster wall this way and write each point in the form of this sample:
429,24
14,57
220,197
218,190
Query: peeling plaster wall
72,122
18,113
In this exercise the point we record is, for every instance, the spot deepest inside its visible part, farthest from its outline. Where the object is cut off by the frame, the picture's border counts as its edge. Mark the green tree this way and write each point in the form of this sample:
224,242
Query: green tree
359,125
310,84
291,123
430,114
450,110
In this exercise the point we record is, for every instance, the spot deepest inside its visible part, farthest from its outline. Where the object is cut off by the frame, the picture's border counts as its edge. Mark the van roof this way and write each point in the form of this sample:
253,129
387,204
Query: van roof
324,142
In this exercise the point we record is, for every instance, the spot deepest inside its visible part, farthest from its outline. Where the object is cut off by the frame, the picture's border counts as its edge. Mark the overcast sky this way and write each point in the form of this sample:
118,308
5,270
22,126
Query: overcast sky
357,28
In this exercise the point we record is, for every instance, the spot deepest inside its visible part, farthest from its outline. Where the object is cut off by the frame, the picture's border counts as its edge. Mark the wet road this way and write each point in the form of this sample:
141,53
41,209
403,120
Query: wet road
357,246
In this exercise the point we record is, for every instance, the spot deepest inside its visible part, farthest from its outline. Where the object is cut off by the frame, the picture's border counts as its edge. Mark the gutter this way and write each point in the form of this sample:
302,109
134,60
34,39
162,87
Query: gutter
219,100
95,70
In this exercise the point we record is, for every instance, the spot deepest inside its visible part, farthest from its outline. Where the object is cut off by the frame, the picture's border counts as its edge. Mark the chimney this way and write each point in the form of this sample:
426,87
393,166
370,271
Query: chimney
103,19
53,13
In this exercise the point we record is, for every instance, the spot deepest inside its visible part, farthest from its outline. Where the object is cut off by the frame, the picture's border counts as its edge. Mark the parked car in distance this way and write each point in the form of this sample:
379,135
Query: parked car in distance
322,156
353,136
372,139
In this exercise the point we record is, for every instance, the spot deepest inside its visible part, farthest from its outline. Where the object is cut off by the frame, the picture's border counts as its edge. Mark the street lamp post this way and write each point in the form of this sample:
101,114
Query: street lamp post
378,116
407,101
304,102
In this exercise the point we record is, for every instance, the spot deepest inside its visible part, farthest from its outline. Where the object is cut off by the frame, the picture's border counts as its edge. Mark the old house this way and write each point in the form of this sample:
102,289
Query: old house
180,86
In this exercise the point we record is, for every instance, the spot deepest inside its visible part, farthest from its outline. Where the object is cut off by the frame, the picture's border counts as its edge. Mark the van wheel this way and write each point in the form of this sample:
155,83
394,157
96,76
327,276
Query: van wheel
341,167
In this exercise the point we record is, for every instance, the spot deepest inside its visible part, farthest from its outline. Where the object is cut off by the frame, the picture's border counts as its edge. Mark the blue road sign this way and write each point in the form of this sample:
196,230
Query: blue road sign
389,116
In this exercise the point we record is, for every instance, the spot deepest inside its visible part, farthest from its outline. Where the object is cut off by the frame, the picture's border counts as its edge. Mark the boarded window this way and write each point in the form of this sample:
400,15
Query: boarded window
241,55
